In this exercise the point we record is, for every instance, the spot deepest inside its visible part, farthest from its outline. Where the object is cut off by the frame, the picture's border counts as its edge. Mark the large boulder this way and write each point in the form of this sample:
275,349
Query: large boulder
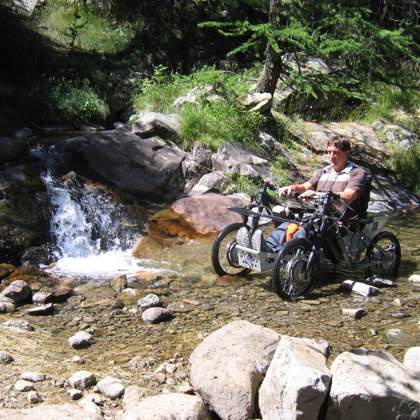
229,365
195,217
372,384
240,160
167,406
154,124
148,168
297,381
12,149
42,412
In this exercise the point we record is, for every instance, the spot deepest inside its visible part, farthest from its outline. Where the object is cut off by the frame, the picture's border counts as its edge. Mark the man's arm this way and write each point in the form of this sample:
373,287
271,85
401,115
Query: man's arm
299,188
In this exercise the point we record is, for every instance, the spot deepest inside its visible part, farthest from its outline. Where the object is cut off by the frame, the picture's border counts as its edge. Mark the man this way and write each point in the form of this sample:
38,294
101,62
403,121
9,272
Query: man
341,177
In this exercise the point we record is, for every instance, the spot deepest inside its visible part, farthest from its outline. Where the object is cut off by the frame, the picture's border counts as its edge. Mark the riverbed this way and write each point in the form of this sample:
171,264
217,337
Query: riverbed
127,348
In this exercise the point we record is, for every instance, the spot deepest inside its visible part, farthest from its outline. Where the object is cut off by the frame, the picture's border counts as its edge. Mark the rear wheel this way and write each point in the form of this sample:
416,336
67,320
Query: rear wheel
383,256
290,277
224,255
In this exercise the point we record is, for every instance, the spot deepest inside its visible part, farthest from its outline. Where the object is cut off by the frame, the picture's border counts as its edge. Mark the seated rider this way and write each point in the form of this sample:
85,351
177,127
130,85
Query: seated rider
341,177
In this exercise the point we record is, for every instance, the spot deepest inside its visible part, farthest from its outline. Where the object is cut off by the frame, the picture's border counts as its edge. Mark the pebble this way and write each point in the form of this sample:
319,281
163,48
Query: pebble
354,313
5,358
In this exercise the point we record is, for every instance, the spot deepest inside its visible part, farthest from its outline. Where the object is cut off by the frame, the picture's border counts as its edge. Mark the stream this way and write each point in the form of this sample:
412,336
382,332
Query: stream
182,274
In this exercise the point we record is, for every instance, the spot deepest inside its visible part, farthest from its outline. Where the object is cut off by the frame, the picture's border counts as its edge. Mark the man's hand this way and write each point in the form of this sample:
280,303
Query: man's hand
308,195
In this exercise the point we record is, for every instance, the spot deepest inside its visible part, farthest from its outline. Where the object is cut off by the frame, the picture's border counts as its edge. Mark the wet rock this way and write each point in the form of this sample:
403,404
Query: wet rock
42,412
359,288
52,296
5,358
111,387
120,283
371,384
6,270
81,340
196,217
149,301
178,307
82,379
297,380
18,291
33,376
155,315
232,361
41,310
356,313
161,407
24,386
380,281
18,324
412,360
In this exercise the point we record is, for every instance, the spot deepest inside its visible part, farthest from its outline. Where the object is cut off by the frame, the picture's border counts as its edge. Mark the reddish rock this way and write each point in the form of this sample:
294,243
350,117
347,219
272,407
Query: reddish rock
195,217
51,296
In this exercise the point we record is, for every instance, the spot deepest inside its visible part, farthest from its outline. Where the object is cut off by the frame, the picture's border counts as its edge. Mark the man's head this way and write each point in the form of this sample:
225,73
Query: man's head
338,149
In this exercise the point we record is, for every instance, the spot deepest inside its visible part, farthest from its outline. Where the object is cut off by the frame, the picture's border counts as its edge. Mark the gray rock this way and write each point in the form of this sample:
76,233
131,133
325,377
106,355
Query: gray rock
34,398
356,313
12,149
133,394
24,133
111,387
42,412
240,160
18,324
359,288
41,310
412,360
18,291
75,394
212,182
414,278
157,124
371,384
5,358
82,380
33,376
24,386
397,335
380,281
155,315
149,301
229,365
81,340
400,136
7,307
89,406
297,380
168,406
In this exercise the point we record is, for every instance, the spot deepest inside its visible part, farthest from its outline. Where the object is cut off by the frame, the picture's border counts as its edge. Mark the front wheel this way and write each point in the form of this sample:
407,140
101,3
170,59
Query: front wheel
383,256
290,275
224,255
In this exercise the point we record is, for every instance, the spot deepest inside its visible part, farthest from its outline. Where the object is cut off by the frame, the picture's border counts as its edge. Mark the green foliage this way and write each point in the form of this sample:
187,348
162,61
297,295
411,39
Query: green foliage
406,164
280,170
243,184
213,115
61,99
73,24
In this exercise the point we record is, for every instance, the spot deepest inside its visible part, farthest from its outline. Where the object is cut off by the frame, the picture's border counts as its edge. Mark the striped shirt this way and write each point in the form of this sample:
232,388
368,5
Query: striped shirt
351,177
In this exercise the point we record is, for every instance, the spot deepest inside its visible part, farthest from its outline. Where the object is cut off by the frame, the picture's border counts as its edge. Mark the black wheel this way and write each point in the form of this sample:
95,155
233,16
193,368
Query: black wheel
224,254
386,260
290,278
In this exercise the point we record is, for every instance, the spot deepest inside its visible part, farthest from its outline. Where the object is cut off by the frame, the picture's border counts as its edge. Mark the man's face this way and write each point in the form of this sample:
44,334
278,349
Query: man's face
336,156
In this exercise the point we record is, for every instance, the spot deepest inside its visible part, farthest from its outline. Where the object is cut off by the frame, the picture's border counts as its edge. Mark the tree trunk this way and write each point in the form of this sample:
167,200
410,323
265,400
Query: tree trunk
273,64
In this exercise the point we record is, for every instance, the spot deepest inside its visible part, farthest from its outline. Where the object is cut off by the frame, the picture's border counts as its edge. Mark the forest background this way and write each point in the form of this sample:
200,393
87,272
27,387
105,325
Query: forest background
100,61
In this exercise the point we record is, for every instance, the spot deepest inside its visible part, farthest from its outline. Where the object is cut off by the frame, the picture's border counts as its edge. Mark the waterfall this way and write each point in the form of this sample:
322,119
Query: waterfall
93,234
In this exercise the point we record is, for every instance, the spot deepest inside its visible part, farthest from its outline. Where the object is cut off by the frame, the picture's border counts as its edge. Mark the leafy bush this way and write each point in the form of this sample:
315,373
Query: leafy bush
61,99
406,164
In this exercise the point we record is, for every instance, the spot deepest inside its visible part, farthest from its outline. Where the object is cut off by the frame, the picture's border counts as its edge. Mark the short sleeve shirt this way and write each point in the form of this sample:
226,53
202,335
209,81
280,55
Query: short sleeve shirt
351,176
